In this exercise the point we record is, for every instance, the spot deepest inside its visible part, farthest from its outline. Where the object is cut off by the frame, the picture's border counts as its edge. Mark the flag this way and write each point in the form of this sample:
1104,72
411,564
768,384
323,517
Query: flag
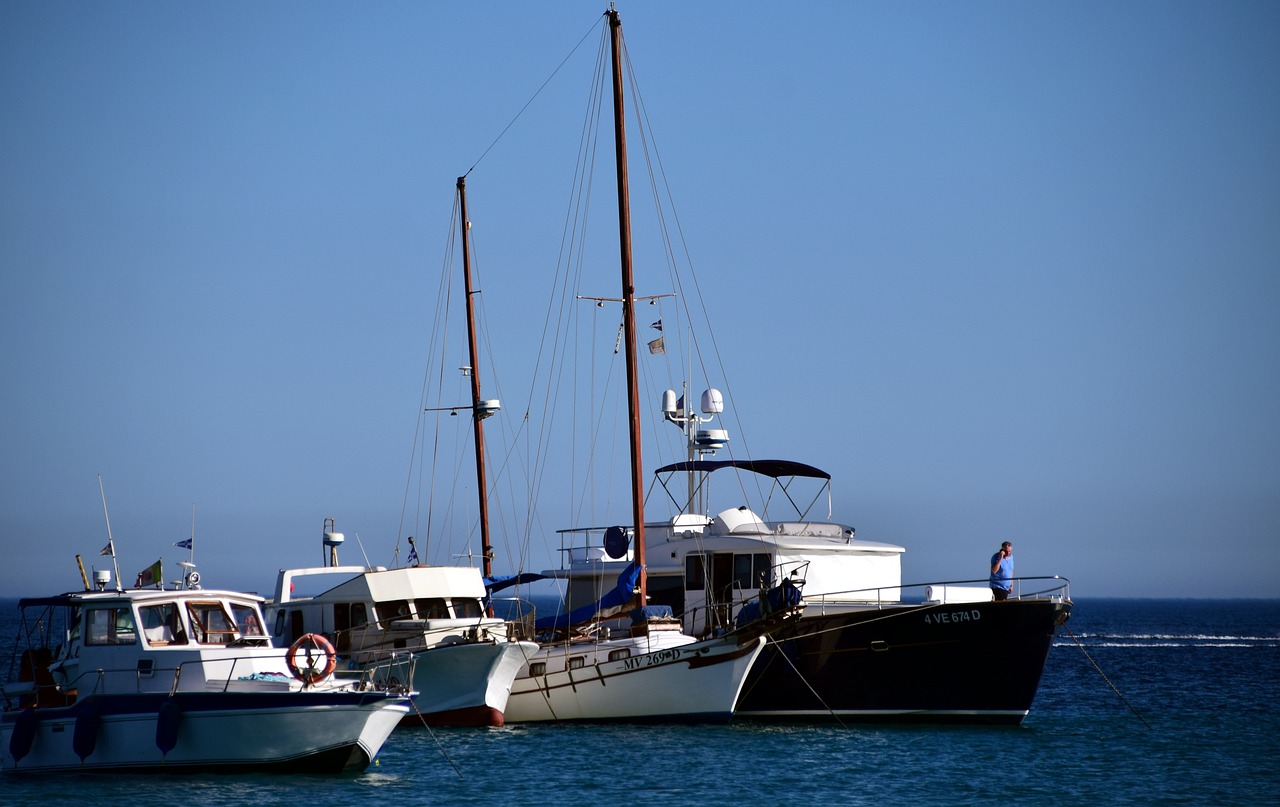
151,576
657,326
657,346
184,544
109,549
413,553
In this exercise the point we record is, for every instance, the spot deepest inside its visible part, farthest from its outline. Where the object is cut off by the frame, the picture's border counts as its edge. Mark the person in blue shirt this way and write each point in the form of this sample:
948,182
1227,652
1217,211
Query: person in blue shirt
1002,571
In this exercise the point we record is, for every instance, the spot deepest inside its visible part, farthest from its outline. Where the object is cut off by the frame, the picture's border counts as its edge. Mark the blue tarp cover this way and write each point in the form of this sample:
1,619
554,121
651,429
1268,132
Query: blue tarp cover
776,599
499,582
650,612
613,600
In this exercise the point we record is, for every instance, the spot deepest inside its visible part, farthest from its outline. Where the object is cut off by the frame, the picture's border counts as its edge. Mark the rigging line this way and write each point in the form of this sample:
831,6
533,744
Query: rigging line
550,345
422,396
502,474
532,99
1122,698
646,125
643,110
441,331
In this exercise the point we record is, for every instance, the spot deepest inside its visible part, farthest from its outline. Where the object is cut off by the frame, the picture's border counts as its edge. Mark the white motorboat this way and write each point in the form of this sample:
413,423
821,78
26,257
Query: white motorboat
464,660
185,680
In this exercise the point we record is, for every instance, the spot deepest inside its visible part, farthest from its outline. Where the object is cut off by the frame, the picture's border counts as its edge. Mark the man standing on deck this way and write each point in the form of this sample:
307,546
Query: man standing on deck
1002,572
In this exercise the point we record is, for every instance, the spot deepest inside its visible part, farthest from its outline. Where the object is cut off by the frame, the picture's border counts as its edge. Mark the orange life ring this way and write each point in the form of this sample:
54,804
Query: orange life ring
320,659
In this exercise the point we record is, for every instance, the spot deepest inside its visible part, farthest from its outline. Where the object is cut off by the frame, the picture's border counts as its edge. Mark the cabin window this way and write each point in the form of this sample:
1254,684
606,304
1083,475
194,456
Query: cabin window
576,662
619,655
359,615
161,624
280,617
762,570
342,626
694,576
432,608
392,610
110,626
538,668
752,571
210,624
467,609
247,620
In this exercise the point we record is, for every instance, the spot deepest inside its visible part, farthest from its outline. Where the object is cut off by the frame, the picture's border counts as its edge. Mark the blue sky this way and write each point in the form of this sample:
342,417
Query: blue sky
1006,270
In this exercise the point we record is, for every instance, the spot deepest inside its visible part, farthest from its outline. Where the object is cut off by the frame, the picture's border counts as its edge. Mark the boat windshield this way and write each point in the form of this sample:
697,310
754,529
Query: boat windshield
162,625
210,623
247,620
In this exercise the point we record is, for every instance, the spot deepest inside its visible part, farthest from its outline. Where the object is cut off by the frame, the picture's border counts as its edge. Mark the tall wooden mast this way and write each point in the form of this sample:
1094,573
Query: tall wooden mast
628,302
477,422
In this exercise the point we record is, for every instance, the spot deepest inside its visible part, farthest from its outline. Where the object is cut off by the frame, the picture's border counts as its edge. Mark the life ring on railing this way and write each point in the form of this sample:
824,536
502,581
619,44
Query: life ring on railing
319,658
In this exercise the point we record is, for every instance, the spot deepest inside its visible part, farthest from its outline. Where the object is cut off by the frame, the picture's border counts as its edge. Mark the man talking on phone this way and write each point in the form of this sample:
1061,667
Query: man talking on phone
1002,571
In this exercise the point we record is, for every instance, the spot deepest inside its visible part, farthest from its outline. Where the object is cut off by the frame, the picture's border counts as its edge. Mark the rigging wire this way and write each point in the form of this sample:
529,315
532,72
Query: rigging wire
646,135
531,100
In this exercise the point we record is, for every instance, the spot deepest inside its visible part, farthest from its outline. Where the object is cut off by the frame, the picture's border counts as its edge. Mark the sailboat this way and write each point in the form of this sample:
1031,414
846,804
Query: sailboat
652,671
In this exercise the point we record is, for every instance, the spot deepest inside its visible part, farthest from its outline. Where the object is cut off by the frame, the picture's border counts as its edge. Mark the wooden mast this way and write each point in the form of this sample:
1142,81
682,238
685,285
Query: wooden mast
486,548
628,303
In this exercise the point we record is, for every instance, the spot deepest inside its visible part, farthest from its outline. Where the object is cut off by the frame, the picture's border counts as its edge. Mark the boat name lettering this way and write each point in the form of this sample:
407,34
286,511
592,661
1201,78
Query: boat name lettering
948,617
660,657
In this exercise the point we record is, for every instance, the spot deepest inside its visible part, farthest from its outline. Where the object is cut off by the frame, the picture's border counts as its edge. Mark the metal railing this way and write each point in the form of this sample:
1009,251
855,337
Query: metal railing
1054,588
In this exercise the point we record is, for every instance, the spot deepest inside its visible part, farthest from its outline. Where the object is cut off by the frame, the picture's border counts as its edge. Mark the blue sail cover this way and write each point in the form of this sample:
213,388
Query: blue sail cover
621,594
492,585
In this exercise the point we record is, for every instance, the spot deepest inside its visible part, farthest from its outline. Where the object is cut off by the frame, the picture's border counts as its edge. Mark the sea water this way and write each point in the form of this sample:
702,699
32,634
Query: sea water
1142,702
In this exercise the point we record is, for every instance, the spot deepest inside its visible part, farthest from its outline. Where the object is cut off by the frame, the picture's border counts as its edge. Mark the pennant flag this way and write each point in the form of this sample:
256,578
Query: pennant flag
657,326
184,544
413,553
657,346
153,576
109,549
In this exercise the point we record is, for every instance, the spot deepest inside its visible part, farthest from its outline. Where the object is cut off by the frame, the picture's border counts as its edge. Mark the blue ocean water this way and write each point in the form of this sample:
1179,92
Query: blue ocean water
1196,721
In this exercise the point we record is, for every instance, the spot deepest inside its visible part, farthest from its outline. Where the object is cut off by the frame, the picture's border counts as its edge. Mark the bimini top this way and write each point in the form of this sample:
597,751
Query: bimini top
771,468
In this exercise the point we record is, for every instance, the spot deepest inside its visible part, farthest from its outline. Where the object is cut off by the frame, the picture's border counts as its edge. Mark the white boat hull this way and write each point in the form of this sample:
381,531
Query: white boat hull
466,684
665,680
326,732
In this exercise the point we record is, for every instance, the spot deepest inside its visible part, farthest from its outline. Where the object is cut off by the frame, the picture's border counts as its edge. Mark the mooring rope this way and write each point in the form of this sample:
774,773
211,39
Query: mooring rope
1122,698
782,652
436,739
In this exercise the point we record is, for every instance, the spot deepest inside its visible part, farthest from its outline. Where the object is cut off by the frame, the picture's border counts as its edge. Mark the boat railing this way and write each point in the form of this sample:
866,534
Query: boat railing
520,615
395,672
1054,588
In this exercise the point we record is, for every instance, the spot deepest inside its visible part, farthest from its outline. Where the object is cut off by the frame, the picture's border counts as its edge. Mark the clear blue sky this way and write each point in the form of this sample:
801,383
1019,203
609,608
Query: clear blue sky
1006,270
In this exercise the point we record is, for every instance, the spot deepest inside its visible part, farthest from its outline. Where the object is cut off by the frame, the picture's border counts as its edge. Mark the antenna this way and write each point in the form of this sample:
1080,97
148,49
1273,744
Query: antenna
367,564
111,544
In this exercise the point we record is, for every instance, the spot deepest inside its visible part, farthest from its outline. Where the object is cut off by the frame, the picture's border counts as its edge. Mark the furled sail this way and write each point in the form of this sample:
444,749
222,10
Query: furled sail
611,603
